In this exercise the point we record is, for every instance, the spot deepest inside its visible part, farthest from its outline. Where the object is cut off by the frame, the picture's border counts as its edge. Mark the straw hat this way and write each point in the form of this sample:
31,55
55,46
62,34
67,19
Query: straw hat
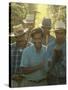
60,25
19,30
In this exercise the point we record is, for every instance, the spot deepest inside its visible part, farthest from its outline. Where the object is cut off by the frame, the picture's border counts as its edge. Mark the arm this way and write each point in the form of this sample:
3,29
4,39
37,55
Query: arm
27,70
25,66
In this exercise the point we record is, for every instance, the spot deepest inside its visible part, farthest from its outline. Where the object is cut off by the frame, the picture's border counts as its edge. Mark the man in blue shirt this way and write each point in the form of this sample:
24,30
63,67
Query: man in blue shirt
57,56
46,26
34,64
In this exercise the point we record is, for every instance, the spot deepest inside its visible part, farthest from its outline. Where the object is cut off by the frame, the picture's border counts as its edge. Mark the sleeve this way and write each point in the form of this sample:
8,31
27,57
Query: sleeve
24,59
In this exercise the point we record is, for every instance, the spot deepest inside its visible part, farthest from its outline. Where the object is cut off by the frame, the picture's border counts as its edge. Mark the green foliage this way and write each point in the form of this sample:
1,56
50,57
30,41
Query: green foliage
57,12
18,13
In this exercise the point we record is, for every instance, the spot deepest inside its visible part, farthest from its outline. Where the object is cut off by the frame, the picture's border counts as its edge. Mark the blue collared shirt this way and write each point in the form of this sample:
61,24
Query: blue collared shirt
50,43
31,58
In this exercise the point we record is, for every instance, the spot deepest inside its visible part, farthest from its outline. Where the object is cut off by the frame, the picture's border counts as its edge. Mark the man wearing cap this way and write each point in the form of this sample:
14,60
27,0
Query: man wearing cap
46,26
34,64
29,23
58,56
17,48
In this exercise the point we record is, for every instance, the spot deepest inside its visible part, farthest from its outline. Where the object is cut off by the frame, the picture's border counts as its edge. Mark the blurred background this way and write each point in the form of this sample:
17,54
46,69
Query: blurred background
19,12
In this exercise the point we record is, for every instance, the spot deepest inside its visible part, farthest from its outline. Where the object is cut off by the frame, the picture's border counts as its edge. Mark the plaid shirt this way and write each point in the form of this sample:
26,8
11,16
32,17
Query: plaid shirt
59,70
16,57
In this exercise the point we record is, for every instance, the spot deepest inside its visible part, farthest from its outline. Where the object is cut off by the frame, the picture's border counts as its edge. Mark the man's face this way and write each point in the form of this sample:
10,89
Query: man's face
22,40
60,35
37,39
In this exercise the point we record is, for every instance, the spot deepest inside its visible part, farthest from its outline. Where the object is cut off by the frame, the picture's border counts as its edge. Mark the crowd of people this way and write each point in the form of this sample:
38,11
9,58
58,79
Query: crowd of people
39,58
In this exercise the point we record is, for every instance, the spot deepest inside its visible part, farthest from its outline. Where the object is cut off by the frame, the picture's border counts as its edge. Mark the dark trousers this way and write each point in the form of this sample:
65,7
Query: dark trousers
62,80
52,80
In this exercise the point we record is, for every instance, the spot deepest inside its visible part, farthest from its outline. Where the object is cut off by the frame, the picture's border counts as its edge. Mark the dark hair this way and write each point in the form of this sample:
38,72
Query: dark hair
35,31
46,23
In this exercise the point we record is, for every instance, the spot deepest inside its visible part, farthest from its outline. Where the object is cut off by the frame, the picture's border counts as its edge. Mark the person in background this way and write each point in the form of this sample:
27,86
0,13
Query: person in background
46,27
29,22
48,39
21,37
57,69
34,64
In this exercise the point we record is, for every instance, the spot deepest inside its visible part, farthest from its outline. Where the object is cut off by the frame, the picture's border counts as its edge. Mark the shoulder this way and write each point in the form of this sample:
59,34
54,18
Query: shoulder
13,44
29,44
52,44
28,49
44,47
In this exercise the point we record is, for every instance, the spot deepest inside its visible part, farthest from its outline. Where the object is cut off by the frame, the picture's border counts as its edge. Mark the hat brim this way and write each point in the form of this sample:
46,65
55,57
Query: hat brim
57,29
24,32
54,29
12,35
